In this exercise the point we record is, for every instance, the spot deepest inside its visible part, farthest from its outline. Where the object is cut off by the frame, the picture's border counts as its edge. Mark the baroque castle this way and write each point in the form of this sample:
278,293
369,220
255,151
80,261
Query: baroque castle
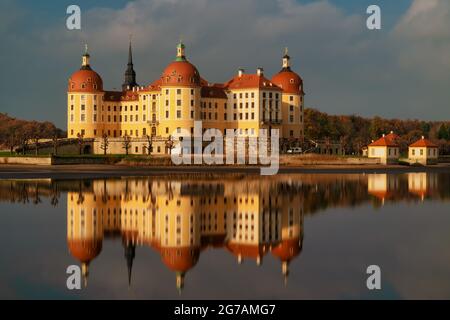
172,103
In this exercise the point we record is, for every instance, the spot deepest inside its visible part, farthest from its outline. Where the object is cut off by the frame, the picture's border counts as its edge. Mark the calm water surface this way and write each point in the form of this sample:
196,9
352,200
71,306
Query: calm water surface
284,237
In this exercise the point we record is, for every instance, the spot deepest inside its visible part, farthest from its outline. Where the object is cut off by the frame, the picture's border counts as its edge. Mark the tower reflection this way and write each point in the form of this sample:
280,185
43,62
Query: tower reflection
181,219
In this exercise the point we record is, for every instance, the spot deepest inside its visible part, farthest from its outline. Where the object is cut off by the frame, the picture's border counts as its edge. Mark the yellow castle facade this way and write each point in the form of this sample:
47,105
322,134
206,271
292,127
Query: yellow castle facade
172,103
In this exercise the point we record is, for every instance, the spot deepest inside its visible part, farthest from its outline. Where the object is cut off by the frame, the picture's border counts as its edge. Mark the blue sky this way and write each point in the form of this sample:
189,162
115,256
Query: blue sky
400,71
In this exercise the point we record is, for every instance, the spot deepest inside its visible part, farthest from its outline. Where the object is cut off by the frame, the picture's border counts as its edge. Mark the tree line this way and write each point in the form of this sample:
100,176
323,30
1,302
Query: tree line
355,132
16,133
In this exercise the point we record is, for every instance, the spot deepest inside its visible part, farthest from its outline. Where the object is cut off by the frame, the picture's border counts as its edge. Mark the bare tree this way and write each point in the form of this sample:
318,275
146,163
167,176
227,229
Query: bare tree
105,143
24,142
170,144
149,144
36,145
55,141
80,140
12,141
126,144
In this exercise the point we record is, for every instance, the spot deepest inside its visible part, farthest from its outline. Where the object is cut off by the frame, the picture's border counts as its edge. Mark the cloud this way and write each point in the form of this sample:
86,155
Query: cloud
423,38
346,68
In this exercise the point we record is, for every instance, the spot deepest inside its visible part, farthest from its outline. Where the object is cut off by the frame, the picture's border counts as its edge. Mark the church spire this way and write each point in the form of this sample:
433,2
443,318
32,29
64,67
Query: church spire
130,252
130,74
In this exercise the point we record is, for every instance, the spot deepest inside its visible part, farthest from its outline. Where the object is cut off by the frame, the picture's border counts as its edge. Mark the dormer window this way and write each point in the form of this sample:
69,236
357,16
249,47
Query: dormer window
89,79
292,81
95,86
72,85
83,86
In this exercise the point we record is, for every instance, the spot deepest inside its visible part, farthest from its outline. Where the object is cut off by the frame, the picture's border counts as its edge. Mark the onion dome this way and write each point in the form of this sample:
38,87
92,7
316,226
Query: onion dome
85,250
287,79
85,80
287,249
180,260
181,72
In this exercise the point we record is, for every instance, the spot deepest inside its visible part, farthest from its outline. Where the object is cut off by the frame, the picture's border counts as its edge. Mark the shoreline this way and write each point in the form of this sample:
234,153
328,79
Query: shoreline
90,171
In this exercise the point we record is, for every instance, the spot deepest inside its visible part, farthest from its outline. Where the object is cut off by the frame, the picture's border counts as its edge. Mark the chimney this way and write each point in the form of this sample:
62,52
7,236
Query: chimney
260,71
241,72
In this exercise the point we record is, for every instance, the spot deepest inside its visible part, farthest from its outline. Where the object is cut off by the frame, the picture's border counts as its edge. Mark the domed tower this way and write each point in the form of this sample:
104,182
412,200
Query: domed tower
292,100
291,242
84,99
84,229
180,95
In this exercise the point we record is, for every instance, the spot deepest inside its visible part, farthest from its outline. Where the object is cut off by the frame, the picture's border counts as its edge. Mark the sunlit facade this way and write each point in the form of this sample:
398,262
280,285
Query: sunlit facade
172,103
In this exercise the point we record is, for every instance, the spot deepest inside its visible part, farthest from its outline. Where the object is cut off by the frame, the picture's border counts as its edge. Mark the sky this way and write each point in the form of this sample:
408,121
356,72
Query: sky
401,71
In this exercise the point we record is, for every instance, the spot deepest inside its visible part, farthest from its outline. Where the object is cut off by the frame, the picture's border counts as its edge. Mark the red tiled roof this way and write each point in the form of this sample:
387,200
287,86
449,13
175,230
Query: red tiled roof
384,142
213,92
251,81
423,143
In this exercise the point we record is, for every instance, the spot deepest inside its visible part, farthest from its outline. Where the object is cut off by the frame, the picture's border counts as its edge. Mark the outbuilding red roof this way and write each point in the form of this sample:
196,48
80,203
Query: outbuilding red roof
423,143
384,142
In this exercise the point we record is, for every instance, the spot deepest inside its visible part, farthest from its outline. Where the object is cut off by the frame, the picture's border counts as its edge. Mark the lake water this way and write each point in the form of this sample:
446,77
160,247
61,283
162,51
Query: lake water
235,237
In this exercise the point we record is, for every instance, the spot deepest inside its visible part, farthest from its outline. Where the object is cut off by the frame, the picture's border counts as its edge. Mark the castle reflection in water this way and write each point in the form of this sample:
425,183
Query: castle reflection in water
182,219
248,216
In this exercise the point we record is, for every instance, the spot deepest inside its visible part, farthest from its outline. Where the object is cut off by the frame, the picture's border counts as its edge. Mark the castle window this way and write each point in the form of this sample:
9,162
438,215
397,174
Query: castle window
131,108
109,108
143,118
137,108
225,116
167,114
178,103
192,92
95,117
192,103
83,107
253,95
71,132
192,114
71,118
253,115
71,96
291,108
178,91
71,107
137,118
167,129
95,132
